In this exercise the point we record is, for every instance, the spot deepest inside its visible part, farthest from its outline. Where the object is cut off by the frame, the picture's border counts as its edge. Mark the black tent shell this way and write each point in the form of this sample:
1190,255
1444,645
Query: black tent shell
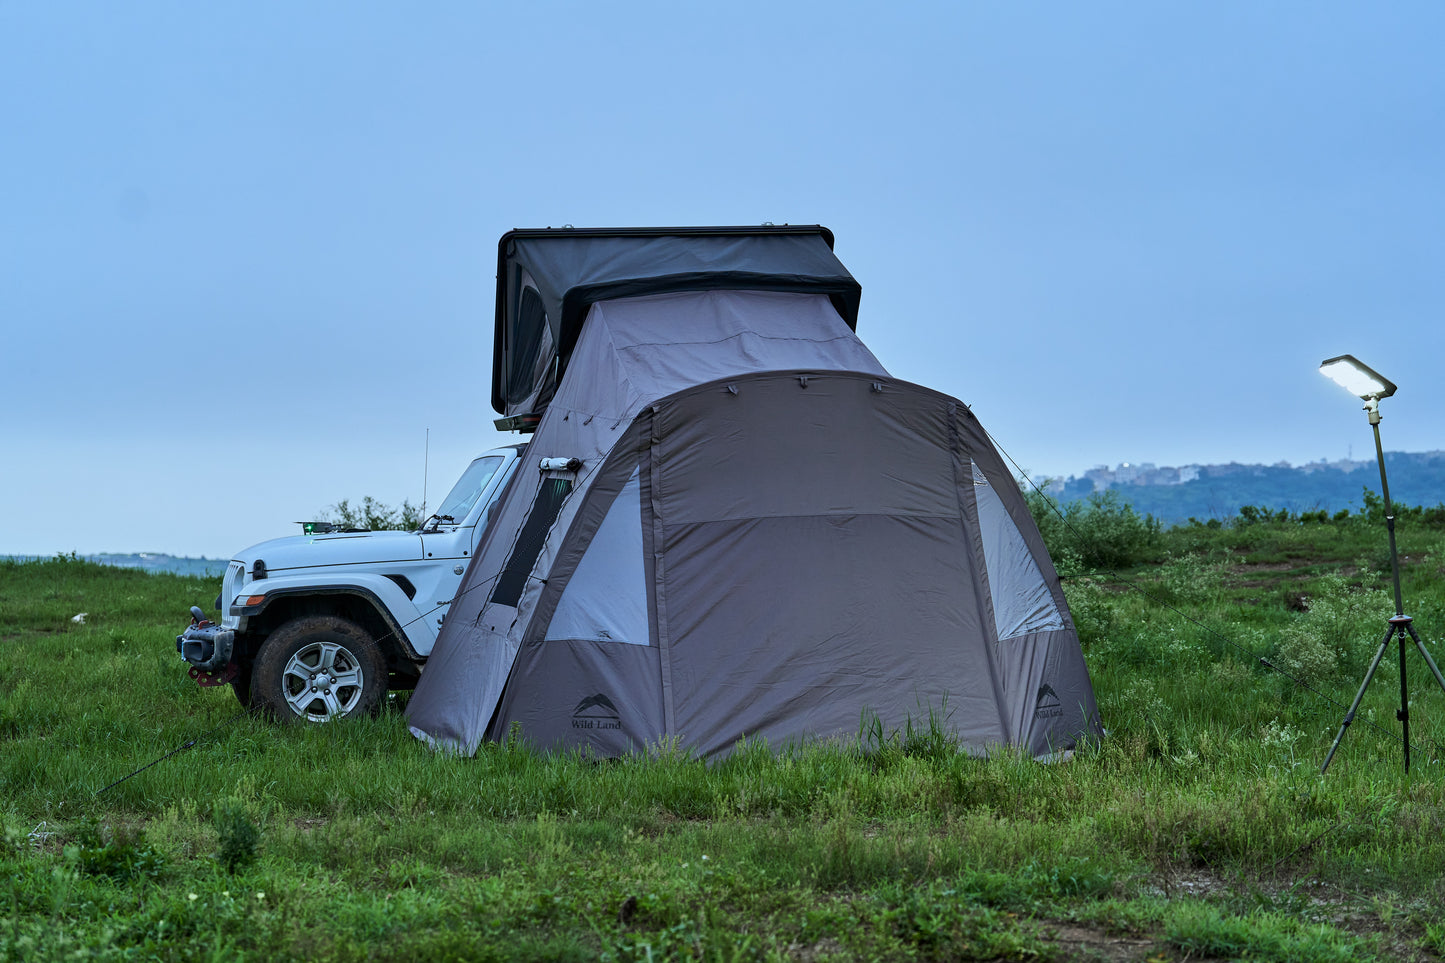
547,279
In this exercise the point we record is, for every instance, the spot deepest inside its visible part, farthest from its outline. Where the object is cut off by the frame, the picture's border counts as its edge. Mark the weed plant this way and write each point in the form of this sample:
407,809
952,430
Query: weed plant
1199,826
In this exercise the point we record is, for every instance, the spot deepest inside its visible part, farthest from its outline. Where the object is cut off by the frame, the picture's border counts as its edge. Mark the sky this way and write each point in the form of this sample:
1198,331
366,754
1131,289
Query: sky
247,250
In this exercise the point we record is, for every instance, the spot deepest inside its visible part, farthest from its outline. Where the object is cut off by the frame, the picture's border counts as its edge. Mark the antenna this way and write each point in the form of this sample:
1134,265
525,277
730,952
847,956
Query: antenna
425,465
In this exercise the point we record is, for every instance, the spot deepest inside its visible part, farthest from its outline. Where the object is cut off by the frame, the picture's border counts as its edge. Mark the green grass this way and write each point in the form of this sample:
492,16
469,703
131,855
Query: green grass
1200,827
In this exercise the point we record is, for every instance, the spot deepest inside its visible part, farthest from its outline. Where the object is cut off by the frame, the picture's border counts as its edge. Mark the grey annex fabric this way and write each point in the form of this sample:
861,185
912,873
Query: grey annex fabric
781,615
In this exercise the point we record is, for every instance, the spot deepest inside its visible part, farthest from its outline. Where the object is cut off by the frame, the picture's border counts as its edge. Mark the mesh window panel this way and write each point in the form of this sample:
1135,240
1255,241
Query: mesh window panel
526,340
549,501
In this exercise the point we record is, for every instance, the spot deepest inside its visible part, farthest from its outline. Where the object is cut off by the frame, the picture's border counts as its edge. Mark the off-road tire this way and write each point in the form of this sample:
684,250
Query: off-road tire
342,660
241,684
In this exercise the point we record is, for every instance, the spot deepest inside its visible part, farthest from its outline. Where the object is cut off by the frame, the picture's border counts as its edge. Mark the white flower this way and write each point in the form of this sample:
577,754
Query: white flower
193,897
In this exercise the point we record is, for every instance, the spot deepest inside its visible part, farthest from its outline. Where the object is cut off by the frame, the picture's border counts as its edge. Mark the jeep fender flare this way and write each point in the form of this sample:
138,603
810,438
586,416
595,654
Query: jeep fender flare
397,612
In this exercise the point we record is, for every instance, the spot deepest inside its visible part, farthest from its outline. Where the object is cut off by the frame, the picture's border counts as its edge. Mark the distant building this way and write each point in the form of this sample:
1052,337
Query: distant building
1051,484
1101,476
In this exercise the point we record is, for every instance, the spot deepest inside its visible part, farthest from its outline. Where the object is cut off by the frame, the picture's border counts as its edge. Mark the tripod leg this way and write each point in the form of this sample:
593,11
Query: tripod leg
1354,706
1404,714
1434,670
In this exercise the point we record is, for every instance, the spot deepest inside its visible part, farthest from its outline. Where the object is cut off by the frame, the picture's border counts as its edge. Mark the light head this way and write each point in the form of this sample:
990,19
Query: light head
1357,378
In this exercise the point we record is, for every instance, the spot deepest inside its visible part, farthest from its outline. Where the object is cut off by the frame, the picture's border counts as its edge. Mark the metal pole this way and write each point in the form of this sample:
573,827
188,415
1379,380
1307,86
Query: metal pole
1404,713
1397,624
1373,407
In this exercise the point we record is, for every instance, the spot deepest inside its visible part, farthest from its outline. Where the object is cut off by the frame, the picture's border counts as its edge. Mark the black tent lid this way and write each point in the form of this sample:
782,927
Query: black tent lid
572,268
736,230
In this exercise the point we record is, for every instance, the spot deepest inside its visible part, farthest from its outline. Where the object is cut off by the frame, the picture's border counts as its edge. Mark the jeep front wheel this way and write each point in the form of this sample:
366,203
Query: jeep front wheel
319,668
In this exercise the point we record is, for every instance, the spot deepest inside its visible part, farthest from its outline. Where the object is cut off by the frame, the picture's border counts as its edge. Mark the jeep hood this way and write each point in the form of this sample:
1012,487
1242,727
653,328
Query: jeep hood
337,548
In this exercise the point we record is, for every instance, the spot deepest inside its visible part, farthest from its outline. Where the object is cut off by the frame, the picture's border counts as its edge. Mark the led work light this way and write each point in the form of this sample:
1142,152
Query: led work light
1366,383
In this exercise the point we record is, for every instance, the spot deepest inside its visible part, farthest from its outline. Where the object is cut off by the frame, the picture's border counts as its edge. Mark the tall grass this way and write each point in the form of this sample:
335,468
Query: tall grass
1195,826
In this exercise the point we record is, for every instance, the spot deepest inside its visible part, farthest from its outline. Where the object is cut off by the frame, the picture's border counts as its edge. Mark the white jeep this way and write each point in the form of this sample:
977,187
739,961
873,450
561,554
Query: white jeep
320,625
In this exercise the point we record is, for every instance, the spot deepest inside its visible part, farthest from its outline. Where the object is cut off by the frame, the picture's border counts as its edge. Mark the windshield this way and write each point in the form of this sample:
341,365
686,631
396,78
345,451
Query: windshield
464,493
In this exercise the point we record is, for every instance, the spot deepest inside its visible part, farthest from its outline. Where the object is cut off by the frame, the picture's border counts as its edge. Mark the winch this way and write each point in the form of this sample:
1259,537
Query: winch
207,647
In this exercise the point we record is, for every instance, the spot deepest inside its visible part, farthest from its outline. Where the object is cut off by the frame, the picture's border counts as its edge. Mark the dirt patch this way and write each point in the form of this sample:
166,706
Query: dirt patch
1257,583
1246,567
1092,943
806,953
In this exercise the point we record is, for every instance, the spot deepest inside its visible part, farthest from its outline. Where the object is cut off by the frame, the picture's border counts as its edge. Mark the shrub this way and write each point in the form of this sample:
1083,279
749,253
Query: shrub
1337,632
1093,610
373,516
1102,529
237,837
1191,578
119,852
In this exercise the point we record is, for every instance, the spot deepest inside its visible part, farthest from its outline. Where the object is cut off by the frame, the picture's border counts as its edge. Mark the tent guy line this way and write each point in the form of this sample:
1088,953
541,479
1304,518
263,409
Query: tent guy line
249,710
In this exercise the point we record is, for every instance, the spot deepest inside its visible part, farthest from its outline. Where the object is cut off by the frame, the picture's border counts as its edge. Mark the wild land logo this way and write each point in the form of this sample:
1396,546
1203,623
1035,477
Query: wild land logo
596,712
1048,705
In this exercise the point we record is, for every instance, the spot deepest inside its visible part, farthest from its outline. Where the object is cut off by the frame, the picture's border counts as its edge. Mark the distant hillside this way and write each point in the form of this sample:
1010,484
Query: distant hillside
150,561
1174,495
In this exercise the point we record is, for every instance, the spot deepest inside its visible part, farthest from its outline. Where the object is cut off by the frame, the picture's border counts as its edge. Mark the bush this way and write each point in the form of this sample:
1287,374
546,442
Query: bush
1102,529
1093,610
237,837
373,516
1260,515
120,852
1337,632
1192,579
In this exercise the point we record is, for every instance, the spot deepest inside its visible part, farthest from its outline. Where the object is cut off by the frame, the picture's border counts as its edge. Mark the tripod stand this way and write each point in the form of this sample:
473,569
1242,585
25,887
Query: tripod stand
1400,623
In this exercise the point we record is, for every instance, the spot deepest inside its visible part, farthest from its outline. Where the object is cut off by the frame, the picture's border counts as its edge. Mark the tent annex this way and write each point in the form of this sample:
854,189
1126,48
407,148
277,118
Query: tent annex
767,535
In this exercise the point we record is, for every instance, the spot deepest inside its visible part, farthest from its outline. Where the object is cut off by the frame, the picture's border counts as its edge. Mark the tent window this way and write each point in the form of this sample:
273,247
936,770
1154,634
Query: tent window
549,502
1022,602
525,342
606,598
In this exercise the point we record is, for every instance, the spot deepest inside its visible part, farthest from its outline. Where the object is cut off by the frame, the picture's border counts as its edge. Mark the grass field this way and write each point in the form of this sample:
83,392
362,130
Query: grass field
1201,827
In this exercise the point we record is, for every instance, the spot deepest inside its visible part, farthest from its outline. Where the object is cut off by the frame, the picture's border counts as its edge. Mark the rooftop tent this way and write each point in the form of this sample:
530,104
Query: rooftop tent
547,279
768,536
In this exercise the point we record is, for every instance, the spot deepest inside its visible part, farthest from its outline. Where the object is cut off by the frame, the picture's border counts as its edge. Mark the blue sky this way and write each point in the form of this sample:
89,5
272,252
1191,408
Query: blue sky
247,250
